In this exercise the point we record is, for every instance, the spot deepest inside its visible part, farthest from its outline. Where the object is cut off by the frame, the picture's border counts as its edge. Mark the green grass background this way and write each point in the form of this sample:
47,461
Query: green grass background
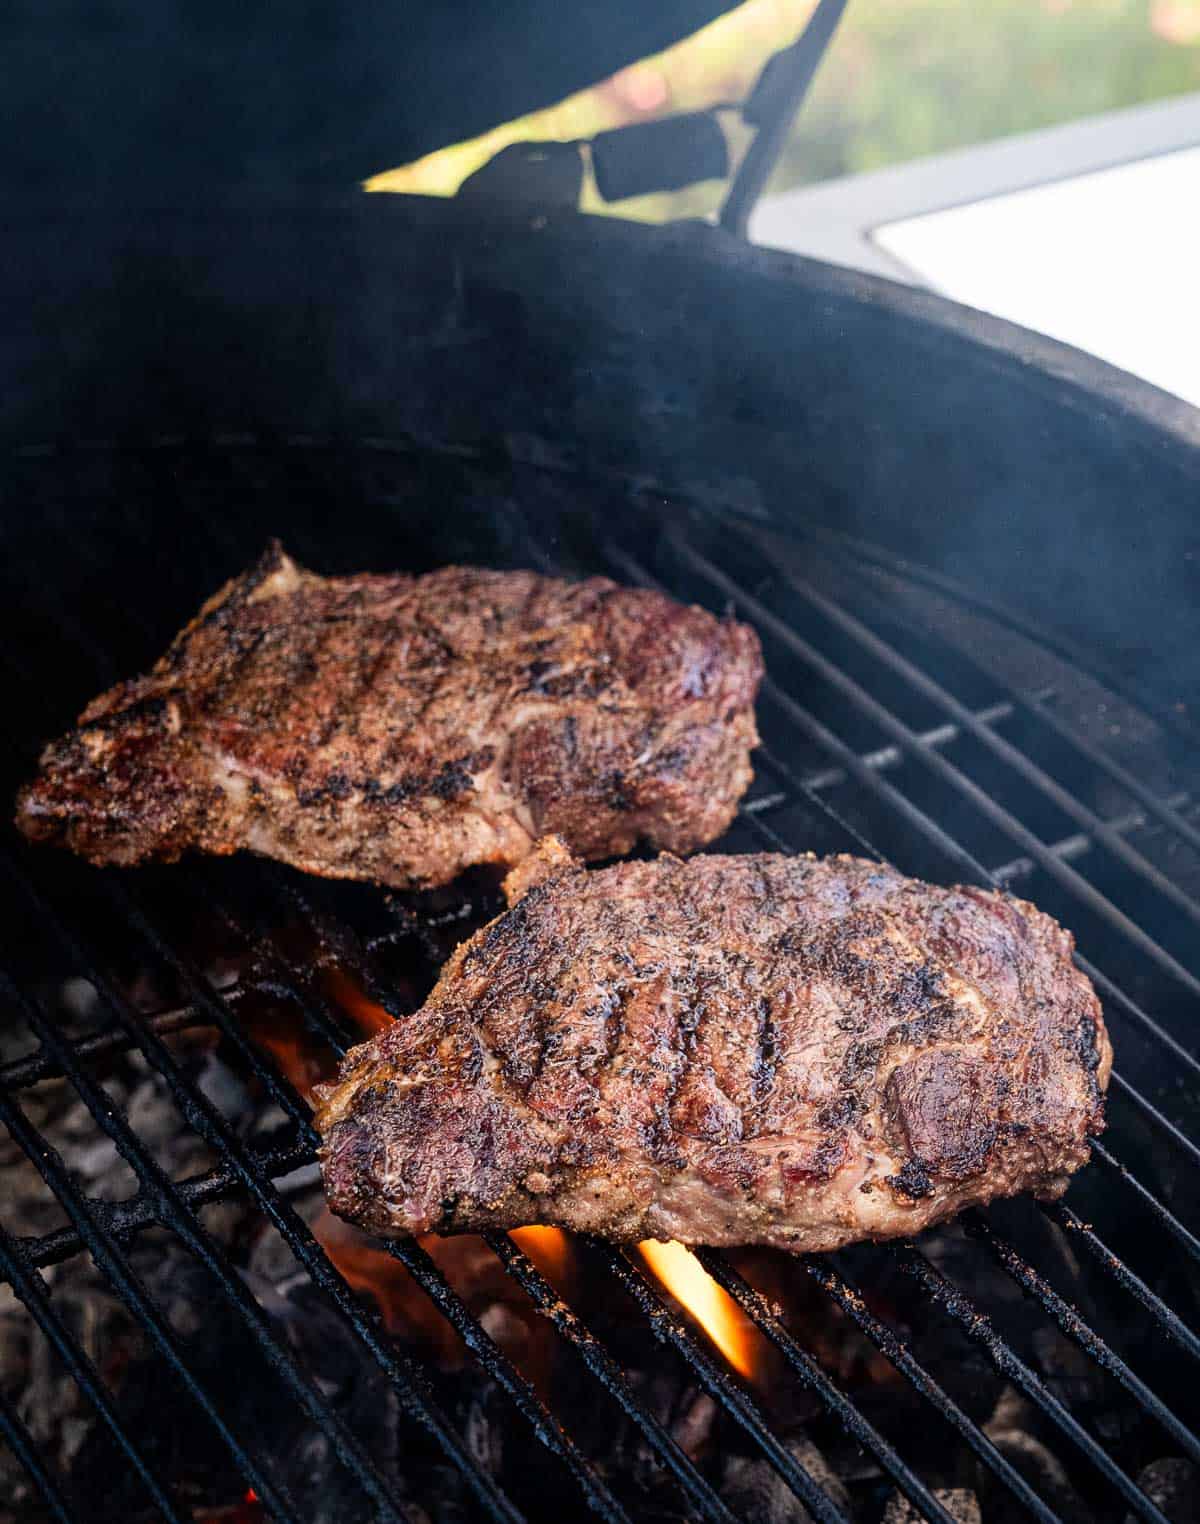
911,77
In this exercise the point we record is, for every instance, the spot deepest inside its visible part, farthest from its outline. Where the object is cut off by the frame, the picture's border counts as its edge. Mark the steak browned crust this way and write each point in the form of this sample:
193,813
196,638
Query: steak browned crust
400,729
757,1049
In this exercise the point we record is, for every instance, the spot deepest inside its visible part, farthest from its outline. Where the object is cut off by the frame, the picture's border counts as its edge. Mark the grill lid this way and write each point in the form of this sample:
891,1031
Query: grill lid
162,95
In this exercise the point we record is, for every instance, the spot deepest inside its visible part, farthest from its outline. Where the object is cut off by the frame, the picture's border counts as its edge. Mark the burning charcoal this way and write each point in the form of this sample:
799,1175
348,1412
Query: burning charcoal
151,1113
673,1403
1075,1379
1009,1430
271,1261
1173,1486
755,1490
959,1502
1012,1411
1043,1471
484,1435
78,998
241,1381
15,1488
219,1084
506,1327
98,1166
692,1429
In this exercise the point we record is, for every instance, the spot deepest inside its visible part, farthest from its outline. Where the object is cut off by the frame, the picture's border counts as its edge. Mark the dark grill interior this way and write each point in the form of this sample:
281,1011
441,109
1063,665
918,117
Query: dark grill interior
899,719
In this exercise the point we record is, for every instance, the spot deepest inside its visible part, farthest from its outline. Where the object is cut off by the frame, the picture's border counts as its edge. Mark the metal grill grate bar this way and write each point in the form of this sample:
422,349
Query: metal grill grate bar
850,1300
1158,1119
666,1327
758,1310
21,1073
19,1440
125,1219
405,1377
996,1348
978,1327
598,1362
1166,811
904,737
1068,848
609,1374
885,757
31,1289
1166,1219
1040,1291
1167,1320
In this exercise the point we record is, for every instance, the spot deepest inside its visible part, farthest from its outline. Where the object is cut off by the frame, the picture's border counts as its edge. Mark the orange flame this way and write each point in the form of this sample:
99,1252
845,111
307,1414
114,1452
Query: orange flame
247,1510
366,1015
368,1268
712,1307
548,1248
474,1272
304,1058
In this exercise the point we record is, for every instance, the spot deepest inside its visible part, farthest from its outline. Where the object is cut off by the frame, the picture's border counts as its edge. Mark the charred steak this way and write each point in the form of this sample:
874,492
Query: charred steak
400,728
734,1050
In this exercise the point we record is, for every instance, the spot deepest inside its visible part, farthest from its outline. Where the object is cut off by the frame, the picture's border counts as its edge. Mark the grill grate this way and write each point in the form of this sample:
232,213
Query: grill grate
833,770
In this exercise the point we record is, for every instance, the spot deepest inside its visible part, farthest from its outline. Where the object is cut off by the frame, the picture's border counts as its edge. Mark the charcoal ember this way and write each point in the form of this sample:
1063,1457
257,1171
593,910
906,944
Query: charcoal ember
1173,1486
252,1400
959,1502
505,1326
1011,1429
226,1090
1075,1380
16,1490
755,1490
1044,1472
483,1429
687,1413
79,999
692,1428
481,1412
46,1398
191,1453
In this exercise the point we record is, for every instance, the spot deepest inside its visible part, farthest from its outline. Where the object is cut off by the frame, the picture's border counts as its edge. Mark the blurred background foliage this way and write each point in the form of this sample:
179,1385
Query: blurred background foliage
903,78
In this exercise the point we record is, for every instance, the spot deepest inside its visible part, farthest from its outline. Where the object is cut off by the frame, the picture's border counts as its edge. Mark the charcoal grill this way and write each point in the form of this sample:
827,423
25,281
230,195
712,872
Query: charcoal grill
967,554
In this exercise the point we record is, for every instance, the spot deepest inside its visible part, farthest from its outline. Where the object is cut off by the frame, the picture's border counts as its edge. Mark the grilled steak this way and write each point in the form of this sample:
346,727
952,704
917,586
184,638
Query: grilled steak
401,728
757,1049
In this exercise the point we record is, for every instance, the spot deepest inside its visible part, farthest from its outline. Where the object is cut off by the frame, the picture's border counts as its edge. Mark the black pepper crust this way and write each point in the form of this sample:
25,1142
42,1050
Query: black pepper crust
401,729
757,1049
